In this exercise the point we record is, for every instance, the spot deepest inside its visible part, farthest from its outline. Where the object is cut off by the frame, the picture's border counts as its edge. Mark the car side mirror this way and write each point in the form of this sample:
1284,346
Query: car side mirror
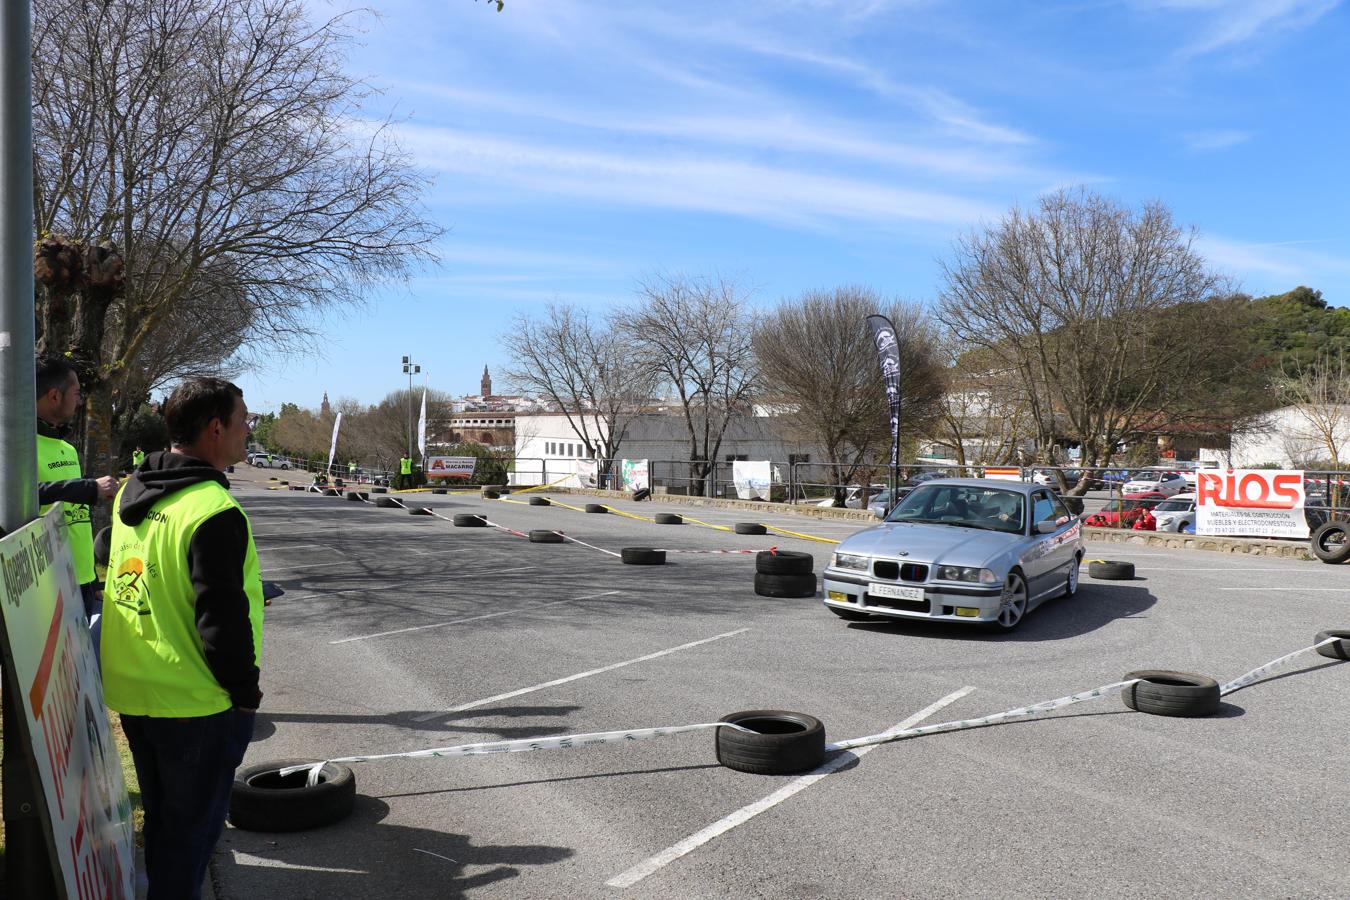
1046,527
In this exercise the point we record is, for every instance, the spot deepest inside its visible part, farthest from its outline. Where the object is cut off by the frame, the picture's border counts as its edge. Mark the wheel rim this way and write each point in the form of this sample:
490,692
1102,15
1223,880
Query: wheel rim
1073,575
1014,602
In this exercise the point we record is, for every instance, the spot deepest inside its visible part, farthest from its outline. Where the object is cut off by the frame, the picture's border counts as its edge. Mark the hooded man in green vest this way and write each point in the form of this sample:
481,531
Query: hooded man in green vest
59,478
137,457
405,472
182,630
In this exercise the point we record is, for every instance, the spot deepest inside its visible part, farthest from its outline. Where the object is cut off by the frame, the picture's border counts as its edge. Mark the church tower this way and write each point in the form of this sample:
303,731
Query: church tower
486,386
325,409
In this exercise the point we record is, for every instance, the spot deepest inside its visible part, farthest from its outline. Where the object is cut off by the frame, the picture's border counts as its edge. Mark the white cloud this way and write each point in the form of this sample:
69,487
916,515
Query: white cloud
1267,266
1210,141
1229,23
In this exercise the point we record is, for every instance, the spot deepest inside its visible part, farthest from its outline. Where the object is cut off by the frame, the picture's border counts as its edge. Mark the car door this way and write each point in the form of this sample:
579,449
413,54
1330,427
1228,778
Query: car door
1052,551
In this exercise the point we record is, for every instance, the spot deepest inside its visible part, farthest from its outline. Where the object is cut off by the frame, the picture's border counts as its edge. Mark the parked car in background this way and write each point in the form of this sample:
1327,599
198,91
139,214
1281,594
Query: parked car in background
1049,478
1176,513
959,550
853,496
1163,482
269,461
1124,512
881,503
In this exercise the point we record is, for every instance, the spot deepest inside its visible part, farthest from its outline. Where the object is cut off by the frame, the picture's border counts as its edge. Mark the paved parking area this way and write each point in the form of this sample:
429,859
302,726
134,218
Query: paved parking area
400,633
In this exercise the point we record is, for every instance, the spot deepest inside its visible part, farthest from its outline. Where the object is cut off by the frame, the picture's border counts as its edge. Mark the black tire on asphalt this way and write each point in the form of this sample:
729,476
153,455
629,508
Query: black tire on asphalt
540,501
440,490
850,615
468,520
1166,693
297,487
355,496
642,493
785,585
263,800
784,562
750,528
272,478
1331,542
1111,570
379,490
332,492
1338,650
388,503
287,483
668,519
419,511
595,508
544,536
490,495
781,743
642,556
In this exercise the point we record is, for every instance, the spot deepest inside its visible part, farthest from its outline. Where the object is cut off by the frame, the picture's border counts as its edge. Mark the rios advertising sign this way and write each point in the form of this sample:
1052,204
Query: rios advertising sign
1250,503
49,648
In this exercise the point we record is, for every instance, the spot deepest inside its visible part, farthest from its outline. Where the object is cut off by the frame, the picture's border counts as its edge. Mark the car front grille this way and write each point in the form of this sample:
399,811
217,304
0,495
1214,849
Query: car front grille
918,606
886,568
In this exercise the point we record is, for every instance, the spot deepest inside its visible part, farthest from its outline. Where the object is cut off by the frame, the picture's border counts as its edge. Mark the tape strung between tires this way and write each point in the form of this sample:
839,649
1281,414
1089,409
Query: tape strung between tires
1260,672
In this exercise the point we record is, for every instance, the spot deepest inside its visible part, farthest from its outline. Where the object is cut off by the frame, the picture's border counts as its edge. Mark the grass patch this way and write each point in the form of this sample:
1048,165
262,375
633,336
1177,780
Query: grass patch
128,775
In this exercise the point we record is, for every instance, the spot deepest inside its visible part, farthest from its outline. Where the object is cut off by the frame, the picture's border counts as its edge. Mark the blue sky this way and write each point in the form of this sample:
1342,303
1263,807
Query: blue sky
577,146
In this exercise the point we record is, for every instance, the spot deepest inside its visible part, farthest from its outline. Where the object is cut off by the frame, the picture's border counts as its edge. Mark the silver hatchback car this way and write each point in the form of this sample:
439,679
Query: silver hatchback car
960,550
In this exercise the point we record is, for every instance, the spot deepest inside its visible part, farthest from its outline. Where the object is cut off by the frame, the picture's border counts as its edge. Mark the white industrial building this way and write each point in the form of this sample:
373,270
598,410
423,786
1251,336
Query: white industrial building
1293,437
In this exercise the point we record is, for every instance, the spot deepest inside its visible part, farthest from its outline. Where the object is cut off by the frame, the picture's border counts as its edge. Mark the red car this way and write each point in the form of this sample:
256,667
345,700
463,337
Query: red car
1125,512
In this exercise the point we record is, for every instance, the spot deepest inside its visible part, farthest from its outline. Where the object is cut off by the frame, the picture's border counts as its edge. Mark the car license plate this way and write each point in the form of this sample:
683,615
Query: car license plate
895,591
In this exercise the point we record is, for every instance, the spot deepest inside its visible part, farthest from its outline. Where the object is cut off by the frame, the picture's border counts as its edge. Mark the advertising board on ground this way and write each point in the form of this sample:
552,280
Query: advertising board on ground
1250,503
1003,473
634,472
753,479
451,466
53,662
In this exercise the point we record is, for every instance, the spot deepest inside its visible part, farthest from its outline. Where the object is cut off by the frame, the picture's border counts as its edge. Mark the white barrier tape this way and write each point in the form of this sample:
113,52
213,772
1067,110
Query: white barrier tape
568,537
712,552
520,745
504,528
1257,674
1108,690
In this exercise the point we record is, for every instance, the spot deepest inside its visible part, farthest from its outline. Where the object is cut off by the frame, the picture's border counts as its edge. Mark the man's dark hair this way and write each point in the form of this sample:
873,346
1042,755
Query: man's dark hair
53,372
194,403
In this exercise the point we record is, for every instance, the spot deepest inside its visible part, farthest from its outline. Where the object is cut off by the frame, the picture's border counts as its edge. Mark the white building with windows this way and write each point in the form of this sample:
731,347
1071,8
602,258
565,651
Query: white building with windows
1292,437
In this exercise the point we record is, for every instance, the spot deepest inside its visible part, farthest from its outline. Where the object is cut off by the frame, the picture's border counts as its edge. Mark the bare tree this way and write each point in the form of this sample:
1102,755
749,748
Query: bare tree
1320,395
587,368
216,146
983,418
695,335
1113,323
817,355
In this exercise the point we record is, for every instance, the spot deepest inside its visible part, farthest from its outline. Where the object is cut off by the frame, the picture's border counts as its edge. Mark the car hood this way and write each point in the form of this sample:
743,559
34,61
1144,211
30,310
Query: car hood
937,544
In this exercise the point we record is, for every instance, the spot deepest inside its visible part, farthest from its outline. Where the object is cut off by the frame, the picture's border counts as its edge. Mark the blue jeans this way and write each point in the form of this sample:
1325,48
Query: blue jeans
186,771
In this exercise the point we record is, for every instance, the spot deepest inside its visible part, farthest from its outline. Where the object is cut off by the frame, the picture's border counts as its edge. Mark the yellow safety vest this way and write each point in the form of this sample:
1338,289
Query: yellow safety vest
137,457
405,466
152,656
57,461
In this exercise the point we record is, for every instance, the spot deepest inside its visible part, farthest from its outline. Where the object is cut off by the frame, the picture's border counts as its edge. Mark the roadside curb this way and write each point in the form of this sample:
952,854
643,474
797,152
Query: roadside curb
1251,546
806,512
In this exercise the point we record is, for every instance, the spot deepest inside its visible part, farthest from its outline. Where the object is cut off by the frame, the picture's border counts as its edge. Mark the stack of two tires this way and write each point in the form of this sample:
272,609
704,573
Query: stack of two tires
784,573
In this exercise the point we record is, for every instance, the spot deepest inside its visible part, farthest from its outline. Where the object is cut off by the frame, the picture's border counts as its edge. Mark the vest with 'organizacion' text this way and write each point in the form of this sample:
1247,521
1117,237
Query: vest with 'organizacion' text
57,461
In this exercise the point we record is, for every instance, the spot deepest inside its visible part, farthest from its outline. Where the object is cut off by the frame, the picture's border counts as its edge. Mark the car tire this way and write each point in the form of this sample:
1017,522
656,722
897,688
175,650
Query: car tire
388,503
544,536
356,496
750,528
332,492
850,615
668,519
284,467
595,508
1338,650
419,511
469,520
284,482
782,743
379,490
1075,575
1165,693
642,556
1331,542
791,586
1111,570
440,490
263,800
298,487
1013,603
642,493
540,501
784,562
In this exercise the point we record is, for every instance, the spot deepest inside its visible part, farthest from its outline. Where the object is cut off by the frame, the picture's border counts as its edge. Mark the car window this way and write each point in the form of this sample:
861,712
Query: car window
1175,505
966,506
1047,508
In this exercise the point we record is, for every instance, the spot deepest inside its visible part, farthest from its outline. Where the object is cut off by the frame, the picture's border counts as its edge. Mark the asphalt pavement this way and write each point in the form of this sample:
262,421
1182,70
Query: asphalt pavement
401,632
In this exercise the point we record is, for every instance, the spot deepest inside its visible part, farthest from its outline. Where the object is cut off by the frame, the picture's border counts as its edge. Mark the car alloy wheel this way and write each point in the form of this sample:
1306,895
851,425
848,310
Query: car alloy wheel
1013,603
1072,587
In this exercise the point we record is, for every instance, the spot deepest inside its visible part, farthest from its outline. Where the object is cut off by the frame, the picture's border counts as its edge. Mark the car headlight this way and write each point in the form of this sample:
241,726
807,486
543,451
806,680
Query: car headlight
851,561
967,574
1164,520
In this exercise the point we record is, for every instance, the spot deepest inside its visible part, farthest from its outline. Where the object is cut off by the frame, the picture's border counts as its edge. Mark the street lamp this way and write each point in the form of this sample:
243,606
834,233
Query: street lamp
410,369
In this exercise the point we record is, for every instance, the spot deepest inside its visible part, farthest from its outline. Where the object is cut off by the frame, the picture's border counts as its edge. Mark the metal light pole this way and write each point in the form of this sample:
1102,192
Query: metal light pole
30,868
410,369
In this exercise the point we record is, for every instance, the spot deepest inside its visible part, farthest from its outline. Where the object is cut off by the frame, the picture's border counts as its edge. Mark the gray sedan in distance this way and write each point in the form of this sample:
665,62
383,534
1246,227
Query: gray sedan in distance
959,550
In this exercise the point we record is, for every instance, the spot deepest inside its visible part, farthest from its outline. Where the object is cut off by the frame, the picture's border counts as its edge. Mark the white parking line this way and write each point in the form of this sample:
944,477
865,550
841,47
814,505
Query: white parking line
508,612
1342,590
746,813
426,717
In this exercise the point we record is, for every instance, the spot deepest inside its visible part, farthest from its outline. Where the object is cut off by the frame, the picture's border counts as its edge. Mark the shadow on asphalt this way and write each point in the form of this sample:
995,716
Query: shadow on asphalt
361,858
1095,606
266,724
565,778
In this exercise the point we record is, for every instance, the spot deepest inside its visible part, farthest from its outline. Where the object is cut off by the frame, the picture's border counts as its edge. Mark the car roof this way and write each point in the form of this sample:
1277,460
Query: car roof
1020,487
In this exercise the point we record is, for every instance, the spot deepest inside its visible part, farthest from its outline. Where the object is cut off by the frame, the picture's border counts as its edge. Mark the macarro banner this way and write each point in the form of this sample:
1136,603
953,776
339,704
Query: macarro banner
451,466
1250,503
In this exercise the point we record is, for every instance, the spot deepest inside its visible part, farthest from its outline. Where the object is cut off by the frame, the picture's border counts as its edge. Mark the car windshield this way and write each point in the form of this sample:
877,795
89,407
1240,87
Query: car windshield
962,506
1174,505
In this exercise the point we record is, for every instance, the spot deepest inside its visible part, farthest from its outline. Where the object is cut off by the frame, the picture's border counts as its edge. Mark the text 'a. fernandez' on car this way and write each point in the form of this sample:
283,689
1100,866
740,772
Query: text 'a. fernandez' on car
959,550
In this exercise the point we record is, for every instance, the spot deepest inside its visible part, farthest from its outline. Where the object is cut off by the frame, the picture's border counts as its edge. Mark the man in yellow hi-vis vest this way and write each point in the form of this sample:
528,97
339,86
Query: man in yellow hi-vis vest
405,472
182,630
137,457
59,478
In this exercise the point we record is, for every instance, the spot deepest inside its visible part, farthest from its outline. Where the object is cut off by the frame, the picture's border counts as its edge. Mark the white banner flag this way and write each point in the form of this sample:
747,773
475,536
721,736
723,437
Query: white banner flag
332,448
422,427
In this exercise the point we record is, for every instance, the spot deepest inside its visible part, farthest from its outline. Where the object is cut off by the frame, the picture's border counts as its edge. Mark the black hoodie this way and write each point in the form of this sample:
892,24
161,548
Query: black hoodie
216,563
